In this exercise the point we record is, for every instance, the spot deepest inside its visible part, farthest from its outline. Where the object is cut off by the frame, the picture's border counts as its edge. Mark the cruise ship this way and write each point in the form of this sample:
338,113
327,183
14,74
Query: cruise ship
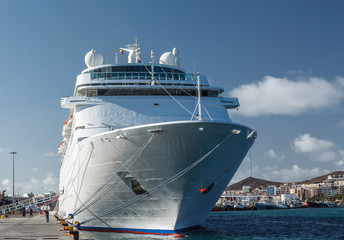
147,147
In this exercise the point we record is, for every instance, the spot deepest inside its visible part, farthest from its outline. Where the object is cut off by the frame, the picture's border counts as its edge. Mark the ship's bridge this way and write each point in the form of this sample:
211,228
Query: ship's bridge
138,79
141,72
133,68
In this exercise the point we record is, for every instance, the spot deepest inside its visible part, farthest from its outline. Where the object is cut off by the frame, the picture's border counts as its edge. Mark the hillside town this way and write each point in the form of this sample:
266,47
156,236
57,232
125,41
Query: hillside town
253,193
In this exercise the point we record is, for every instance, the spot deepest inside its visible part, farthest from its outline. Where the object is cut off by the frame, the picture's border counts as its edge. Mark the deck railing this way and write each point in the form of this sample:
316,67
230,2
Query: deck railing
145,76
27,203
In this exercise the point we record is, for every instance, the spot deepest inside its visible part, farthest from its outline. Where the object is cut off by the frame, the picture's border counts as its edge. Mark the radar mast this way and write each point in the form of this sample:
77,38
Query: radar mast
133,52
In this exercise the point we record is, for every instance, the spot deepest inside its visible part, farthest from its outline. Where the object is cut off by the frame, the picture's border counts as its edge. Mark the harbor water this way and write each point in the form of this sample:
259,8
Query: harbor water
305,223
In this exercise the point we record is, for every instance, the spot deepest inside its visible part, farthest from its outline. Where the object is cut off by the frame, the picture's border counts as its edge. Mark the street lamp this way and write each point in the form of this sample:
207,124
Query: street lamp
13,175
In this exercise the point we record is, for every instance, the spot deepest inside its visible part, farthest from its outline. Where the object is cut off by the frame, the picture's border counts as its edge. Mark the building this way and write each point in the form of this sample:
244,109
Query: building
246,189
303,193
271,190
314,191
285,188
340,189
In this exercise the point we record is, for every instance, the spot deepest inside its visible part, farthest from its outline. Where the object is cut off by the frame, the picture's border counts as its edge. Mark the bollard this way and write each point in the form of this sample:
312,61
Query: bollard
75,234
68,228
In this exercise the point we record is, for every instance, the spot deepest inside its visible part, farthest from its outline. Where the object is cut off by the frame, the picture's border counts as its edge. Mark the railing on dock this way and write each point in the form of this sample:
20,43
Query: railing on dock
27,203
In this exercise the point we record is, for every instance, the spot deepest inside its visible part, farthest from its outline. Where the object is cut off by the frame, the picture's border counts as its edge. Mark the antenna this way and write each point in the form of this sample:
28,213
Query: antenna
194,62
251,161
152,66
133,52
199,97
199,104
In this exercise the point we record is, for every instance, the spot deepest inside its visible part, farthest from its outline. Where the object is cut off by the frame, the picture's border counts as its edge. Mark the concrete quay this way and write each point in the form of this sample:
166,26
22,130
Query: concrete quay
16,227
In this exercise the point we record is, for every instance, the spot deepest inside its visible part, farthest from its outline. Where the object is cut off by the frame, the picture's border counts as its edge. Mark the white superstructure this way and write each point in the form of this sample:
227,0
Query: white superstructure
147,148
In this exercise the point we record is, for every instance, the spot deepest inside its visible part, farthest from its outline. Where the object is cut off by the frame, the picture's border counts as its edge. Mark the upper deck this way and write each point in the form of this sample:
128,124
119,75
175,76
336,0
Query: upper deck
140,72
134,77
142,77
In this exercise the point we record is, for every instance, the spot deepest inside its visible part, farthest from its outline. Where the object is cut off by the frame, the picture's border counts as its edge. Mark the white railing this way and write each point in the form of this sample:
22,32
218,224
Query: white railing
27,203
145,76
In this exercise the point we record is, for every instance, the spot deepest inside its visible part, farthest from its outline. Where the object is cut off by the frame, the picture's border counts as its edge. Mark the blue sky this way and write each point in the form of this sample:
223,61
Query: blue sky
282,59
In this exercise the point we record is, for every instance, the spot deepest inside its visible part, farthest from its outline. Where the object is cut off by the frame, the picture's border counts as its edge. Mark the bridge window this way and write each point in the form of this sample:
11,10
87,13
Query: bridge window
92,92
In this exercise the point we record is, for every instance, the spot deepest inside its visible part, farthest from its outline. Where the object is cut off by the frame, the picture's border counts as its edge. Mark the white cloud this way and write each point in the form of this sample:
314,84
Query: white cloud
34,169
50,154
326,156
341,153
340,163
50,180
307,144
317,149
5,182
37,185
242,174
4,150
341,160
35,181
294,174
282,96
271,154
340,81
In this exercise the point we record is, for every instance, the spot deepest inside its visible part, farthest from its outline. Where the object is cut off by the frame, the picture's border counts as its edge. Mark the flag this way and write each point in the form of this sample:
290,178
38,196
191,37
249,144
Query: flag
121,51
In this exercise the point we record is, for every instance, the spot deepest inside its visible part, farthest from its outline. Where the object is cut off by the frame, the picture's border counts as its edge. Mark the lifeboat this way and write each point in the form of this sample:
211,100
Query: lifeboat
67,127
62,148
66,131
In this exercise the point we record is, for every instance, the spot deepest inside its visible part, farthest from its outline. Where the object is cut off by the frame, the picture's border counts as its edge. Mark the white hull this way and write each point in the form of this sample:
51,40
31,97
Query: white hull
146,149
165,207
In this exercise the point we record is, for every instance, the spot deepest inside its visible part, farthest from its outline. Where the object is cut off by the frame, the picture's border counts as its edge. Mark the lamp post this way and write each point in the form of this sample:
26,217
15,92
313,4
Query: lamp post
13,175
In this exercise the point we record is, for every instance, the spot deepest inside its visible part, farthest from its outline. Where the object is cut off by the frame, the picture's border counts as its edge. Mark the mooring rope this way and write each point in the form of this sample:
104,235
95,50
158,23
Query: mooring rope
179,103
77,192
103,221
159,186
176,83
71,170
124,166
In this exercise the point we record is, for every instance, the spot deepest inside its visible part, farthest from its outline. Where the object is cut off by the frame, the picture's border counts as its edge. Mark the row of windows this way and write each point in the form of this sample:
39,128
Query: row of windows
144,92
145,76
135,69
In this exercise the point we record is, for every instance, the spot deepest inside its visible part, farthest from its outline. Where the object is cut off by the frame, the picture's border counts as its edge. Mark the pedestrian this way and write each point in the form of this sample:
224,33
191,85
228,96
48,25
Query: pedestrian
24,211
47,215
46,210
31,212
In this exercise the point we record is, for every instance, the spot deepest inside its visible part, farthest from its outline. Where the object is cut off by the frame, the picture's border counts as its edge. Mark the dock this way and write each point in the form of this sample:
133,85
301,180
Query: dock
17,227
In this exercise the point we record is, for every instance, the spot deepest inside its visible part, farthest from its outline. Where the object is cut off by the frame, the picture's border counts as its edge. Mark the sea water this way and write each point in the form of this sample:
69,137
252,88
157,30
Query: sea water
303,223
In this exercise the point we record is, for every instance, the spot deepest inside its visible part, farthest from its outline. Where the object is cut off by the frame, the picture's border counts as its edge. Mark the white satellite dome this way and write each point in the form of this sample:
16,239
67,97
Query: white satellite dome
175,52
93,59
167,58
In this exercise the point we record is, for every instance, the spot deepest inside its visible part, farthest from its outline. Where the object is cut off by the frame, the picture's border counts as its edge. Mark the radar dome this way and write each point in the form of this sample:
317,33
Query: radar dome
175,52
93,59
168,59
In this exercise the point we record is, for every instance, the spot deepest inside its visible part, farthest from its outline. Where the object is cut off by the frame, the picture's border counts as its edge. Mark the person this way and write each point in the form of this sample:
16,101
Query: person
45,208
47,215
24,211
31,212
